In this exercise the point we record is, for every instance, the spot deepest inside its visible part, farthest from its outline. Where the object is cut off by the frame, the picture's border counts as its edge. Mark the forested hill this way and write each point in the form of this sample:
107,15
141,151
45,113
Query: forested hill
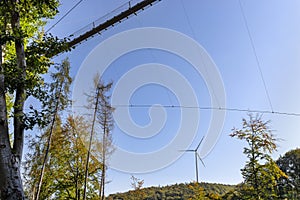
176,192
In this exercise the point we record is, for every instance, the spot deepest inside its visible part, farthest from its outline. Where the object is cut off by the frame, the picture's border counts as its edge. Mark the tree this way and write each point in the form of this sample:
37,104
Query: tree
20,76
55,100
64,173
137,185
34,161
261,174
76,129
102,114
231,195
198,192
106,122
289,163
58,100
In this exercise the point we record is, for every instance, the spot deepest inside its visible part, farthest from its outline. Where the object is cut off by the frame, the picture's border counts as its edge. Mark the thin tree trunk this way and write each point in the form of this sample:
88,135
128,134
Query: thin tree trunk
77,173
77,188
103,161
76,185
103,181
37,196
90,144
76,182
106,124
47,148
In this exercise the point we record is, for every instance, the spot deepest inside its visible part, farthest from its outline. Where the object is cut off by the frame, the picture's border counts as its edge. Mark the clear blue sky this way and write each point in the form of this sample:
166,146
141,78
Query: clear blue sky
219,27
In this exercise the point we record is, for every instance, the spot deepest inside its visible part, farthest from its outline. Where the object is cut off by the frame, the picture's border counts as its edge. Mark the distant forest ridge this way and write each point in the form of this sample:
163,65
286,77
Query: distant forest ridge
177,191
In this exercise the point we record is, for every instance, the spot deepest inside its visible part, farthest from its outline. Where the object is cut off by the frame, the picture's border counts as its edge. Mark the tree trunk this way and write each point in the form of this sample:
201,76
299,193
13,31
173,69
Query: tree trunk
76,185
86,174
103,161
10,158
11,184
37,196
103,182
10,177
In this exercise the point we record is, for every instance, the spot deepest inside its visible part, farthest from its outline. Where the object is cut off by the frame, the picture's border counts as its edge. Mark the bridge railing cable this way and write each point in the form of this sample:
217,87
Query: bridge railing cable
116,12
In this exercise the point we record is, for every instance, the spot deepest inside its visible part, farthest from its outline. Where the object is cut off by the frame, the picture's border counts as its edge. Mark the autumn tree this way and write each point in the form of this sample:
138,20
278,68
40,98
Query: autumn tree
261,174
231,195
25,55
57,101
64,173
79,128
198,192
34,160
56,96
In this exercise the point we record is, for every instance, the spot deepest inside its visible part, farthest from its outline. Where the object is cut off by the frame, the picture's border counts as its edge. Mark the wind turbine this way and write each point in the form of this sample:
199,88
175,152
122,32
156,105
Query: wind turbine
196,157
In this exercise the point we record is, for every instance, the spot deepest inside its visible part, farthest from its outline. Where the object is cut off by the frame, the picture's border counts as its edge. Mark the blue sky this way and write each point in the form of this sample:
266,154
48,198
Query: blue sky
219,27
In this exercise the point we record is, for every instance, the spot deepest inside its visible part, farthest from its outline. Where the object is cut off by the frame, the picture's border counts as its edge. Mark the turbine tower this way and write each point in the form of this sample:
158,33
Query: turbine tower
197,156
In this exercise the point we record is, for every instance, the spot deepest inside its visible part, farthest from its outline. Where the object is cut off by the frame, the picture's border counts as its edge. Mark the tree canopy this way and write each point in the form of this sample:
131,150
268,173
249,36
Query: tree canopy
289,163
65,172
261,174
25,55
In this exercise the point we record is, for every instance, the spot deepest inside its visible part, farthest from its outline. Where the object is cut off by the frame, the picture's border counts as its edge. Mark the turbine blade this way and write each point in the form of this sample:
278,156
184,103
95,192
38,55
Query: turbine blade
187,150
199,143
201,160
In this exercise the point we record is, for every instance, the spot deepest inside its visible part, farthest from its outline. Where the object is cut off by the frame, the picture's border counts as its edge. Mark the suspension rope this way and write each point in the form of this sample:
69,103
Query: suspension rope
64,16
202,60
256,56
